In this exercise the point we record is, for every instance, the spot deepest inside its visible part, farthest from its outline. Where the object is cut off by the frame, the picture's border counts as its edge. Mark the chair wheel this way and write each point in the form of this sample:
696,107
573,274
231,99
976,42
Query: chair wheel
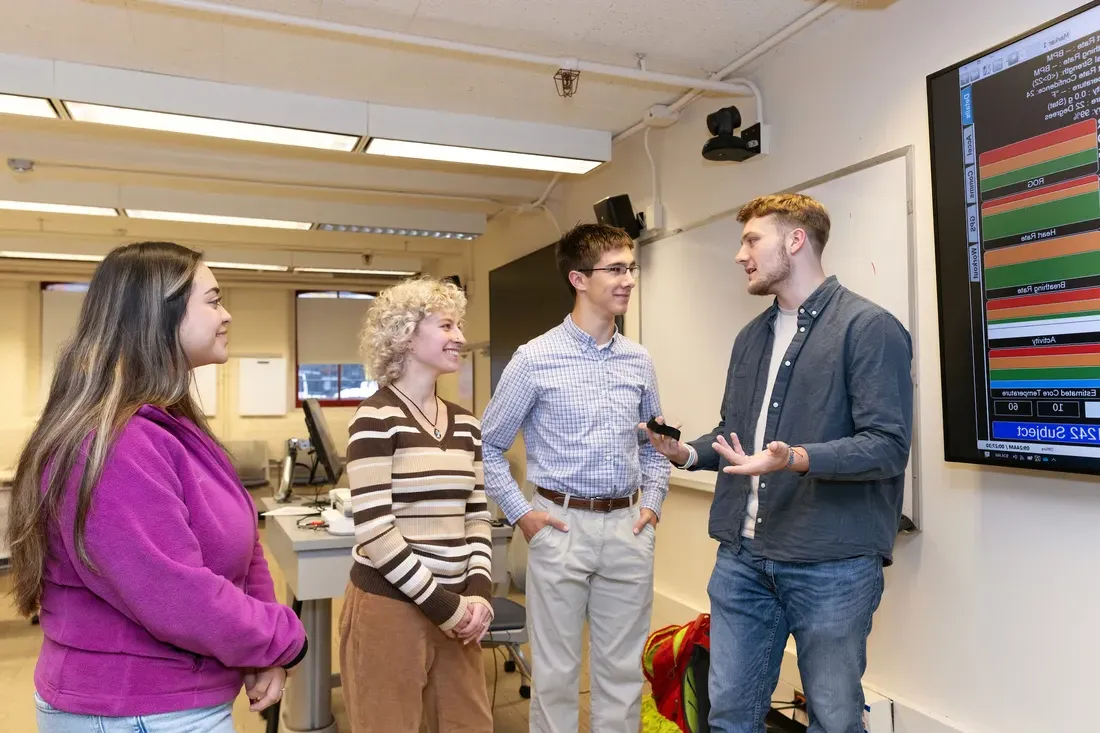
510,666
525,692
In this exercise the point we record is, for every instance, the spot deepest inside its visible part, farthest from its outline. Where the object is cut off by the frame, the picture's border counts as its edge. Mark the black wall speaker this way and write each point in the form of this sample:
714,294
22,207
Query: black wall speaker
618,212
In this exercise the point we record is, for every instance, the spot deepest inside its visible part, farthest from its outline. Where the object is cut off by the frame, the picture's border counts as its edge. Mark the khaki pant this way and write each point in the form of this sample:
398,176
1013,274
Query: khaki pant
399,671
600,571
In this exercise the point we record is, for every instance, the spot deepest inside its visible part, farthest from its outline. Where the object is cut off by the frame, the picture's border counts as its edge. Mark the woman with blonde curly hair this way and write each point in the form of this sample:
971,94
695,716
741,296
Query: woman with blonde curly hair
418,603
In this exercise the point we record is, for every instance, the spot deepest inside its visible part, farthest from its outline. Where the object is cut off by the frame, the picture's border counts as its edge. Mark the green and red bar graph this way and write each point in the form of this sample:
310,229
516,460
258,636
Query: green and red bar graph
1045,366
1060,150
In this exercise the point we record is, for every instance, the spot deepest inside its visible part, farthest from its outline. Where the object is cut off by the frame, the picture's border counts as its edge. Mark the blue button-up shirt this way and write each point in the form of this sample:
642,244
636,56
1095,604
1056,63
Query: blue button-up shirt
844,392
579,406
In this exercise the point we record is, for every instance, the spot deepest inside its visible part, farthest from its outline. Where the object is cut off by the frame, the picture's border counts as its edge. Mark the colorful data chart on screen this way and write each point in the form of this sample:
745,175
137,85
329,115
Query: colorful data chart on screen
1027,208
1038,214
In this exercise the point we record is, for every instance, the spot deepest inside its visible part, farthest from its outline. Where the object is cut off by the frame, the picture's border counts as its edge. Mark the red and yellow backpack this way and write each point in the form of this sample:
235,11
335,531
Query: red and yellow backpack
676,661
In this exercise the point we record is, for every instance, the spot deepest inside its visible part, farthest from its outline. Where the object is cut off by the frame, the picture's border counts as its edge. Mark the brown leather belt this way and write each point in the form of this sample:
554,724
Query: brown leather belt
602,506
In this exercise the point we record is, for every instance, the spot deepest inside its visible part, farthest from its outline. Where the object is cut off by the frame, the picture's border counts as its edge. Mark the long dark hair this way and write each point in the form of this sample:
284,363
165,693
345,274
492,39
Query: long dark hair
125,353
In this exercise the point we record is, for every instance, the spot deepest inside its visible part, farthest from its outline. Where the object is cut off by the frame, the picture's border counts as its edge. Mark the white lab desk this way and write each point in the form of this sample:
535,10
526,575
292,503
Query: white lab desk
317,566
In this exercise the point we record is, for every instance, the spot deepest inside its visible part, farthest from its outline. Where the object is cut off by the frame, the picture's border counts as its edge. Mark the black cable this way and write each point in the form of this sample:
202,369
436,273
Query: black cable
312,474
313,468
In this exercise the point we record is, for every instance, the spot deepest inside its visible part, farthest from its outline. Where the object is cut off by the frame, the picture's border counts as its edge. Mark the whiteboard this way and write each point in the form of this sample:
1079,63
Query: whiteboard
694,299
204,389
262,387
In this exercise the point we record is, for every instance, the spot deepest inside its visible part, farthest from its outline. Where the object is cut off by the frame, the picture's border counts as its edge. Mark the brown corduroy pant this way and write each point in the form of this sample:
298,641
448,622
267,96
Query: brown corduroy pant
401,674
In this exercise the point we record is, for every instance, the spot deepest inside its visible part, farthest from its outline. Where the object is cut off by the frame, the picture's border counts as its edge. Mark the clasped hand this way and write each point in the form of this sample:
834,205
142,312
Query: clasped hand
264,687
474,624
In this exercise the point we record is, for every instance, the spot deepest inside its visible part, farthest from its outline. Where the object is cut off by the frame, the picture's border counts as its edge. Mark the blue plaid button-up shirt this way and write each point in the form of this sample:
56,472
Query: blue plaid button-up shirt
578,406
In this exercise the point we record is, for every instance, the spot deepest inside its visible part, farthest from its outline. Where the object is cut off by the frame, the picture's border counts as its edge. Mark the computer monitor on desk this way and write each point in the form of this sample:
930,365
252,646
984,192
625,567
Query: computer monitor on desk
322,451
319,436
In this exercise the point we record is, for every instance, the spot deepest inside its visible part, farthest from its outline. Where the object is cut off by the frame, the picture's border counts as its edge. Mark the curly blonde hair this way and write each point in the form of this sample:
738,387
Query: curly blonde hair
393,317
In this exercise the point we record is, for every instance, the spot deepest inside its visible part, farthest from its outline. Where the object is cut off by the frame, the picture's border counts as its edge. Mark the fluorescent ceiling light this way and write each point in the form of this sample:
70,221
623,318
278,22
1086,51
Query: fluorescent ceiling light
57,208
30,106
334,294
396,231
226,129
352,271
246,266
49,256
478,156
212,219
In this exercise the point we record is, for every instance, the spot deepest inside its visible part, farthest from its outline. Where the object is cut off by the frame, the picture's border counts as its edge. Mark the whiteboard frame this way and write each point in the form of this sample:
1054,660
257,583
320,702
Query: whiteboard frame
908,152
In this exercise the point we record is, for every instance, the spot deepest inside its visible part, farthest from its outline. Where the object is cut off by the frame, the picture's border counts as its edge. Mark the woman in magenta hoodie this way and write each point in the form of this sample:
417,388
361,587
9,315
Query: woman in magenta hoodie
130,532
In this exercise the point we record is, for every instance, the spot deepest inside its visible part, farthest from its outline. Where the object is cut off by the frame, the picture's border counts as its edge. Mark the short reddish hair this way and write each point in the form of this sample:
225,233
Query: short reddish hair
792,211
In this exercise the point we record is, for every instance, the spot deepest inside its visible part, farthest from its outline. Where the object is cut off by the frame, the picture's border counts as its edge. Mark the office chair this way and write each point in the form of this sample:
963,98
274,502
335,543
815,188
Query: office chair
509,630
509,627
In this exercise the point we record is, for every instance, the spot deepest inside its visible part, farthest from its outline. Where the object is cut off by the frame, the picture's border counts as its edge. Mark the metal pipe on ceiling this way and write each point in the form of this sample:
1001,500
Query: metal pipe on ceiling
741,61
731,86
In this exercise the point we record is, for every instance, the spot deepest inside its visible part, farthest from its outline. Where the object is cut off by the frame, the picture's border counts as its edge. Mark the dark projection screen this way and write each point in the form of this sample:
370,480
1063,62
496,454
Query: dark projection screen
1017,224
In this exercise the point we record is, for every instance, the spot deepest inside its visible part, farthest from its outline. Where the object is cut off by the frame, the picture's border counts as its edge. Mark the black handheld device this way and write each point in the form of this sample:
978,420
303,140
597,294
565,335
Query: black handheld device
662,429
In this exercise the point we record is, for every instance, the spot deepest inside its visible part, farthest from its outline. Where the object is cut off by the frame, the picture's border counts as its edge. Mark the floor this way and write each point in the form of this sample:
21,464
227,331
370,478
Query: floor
20,641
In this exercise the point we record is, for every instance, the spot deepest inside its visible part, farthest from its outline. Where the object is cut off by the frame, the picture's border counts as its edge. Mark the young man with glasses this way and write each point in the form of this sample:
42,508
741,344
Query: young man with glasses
578,393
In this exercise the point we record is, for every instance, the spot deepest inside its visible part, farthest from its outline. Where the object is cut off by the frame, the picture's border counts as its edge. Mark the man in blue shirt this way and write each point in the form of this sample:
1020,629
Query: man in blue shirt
811,449
578,393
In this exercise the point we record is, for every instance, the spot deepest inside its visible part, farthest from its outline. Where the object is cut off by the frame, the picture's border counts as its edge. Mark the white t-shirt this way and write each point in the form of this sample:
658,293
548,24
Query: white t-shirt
784,328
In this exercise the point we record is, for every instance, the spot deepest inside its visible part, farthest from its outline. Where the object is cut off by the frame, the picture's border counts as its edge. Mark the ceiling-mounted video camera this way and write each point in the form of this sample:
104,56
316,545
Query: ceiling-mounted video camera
725,145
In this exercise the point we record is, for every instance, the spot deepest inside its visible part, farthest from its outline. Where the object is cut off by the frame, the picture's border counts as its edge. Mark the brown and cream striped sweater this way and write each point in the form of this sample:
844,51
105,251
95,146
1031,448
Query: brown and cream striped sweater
422,523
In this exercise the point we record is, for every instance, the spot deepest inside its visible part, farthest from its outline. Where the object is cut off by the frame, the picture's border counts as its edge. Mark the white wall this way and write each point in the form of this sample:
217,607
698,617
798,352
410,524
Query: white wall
19,358
988,619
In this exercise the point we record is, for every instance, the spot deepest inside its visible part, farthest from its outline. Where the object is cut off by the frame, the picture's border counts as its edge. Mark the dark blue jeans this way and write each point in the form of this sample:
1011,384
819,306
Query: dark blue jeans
756,603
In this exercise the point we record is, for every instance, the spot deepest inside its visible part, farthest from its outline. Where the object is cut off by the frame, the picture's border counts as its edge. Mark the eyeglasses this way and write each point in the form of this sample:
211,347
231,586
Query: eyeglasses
616,270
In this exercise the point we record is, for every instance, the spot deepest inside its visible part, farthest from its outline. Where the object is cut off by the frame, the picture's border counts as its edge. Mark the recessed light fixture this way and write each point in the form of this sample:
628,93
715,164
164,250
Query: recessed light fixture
478,156
57,208
354,271
393,231
226,129
13,104
246,266
49,256
212,219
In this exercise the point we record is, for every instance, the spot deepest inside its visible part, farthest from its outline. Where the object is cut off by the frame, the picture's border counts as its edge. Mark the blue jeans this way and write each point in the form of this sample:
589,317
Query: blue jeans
756,603
217,719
